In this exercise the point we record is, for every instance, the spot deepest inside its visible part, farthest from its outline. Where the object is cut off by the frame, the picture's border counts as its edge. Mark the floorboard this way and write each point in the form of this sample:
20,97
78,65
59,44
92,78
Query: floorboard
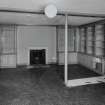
44,86
77,72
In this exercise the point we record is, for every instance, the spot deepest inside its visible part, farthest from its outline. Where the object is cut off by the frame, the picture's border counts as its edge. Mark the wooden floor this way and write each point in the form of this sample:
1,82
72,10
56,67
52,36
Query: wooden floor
77,72
44,86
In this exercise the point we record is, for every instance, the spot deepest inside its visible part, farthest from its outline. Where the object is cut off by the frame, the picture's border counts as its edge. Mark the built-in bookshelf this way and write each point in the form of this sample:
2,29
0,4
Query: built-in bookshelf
82,40
72,44
92,40
7,40
99,40
61,39
8,46
89,40
92,43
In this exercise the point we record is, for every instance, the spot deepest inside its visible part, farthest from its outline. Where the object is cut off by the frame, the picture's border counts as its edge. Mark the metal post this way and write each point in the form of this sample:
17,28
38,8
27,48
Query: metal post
66,50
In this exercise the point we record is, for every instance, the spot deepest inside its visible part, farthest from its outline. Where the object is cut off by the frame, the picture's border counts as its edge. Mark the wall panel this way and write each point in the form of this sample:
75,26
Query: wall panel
7,46
72,58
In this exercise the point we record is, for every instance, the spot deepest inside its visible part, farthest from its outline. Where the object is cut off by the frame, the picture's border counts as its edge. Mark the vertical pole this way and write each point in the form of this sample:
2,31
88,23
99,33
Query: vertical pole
15,43
66,50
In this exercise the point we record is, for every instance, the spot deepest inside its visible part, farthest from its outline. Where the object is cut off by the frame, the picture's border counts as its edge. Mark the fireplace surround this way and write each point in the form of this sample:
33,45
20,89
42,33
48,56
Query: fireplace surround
37,55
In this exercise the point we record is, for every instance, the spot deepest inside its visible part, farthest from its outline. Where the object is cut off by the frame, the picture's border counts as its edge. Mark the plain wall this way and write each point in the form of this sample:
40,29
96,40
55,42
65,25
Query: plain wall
85,60
72,58
35,36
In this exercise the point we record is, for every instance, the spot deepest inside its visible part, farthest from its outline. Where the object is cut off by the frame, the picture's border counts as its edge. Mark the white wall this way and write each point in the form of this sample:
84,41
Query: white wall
72,58
90,61
85,60
35,36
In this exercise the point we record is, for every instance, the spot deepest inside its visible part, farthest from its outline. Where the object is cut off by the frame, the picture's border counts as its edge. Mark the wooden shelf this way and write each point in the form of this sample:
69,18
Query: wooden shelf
94,37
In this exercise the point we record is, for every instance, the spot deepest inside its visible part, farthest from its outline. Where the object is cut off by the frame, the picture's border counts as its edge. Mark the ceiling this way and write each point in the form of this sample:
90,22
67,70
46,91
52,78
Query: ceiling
70,6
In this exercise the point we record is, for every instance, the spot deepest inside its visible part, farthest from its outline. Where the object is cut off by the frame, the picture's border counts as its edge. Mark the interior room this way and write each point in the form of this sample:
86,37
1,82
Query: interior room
52,52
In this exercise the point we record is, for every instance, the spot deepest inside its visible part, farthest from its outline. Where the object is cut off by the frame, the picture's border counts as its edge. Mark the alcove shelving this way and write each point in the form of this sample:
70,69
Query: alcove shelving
82,40
7,46
89,40
92,40
71,44
92,44
61,39
99,40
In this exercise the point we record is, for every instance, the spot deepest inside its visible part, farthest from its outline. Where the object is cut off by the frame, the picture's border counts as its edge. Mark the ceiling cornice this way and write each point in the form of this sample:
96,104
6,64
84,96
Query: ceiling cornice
62,13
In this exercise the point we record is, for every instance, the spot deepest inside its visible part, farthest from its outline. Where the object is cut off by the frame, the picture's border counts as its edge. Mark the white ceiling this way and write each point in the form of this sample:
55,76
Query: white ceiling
78,6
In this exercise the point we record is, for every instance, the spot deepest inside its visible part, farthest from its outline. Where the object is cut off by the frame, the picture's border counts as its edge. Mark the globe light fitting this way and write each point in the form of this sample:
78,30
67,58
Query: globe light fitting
50,11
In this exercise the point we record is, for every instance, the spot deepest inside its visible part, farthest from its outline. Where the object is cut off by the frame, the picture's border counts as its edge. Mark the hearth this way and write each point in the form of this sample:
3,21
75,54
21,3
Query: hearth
37,56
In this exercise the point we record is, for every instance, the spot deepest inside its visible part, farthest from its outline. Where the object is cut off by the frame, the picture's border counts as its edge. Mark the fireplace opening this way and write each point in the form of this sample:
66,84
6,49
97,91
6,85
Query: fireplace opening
37,56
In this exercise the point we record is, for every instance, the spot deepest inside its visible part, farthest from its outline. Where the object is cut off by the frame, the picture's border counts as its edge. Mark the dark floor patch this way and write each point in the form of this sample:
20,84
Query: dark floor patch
77,72
23,86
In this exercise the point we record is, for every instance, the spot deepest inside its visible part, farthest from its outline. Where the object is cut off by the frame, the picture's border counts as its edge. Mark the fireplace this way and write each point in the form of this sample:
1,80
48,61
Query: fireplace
37,56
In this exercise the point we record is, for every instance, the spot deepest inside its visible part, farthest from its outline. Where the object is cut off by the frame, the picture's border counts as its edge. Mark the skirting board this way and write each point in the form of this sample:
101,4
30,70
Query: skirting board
37,66
73,63
7,67
85,81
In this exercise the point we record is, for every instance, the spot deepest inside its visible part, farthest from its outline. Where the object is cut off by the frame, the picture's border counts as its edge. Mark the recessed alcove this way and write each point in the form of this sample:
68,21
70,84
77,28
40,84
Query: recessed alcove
37,56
